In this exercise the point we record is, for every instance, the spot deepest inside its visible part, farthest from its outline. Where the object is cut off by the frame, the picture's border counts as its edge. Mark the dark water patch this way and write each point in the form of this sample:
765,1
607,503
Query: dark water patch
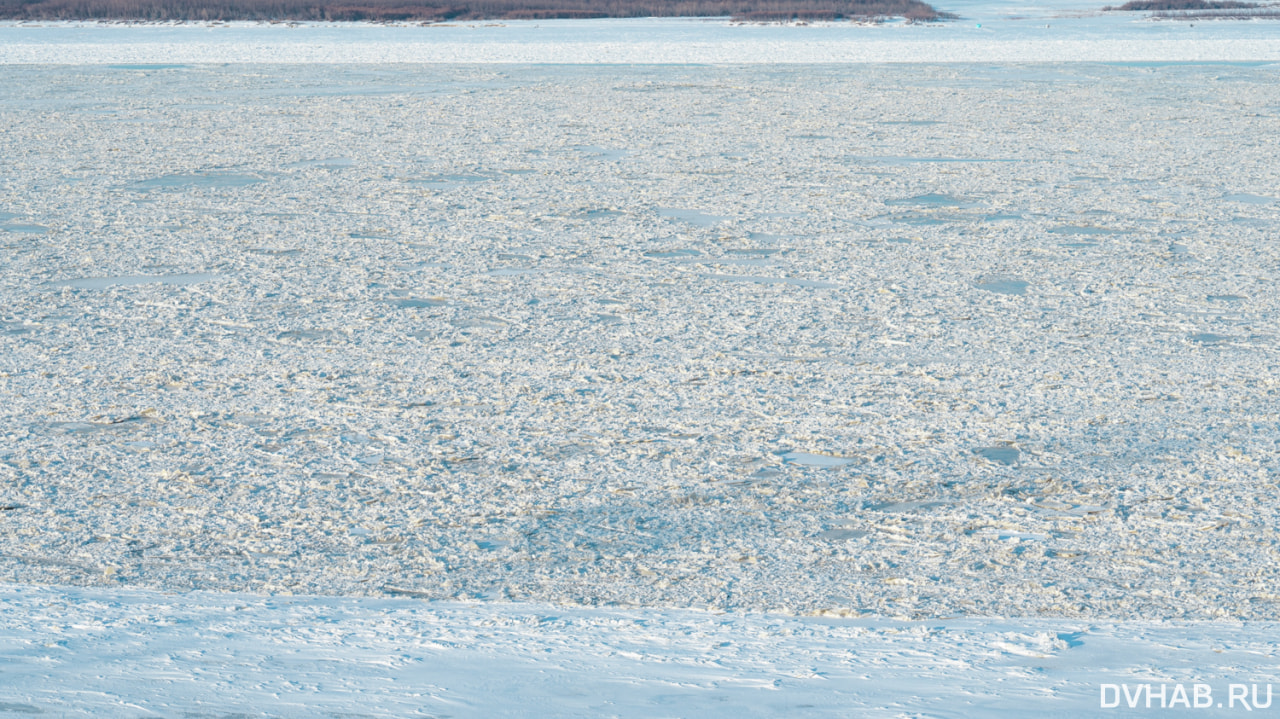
200,181
1209,338
1007,456
1226,298
271,252
98,283
371,235
1003,287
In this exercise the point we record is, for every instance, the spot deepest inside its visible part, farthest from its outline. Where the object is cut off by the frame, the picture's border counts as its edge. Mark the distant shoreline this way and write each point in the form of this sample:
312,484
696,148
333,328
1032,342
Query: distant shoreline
437,11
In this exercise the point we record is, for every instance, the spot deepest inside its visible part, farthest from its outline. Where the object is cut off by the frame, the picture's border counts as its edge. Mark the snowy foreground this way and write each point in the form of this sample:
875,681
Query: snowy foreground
95,653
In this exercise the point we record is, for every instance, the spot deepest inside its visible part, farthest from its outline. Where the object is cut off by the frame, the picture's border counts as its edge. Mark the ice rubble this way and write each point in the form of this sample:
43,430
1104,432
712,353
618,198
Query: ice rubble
451,340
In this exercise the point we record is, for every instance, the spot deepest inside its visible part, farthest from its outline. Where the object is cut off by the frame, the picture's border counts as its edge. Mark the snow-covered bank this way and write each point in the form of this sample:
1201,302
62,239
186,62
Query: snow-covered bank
100,653
990,32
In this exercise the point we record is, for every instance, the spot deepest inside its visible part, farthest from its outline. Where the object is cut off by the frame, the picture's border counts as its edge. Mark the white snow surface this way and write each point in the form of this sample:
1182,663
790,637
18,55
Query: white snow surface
122,653
988,32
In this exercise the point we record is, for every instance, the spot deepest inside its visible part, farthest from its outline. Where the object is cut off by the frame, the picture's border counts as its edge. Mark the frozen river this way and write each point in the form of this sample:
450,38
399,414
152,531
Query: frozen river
909,340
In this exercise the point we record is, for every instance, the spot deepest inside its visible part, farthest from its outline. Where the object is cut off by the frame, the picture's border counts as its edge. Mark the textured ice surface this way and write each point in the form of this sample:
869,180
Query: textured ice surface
543,386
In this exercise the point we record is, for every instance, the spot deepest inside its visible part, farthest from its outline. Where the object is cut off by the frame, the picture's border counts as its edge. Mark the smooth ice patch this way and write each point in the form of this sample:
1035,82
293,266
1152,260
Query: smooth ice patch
693,217
330,163
808,459
1004,287
1084,230
449,181
200,181
99,283
812,284
24,229
933,199
1000,455
1249,199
